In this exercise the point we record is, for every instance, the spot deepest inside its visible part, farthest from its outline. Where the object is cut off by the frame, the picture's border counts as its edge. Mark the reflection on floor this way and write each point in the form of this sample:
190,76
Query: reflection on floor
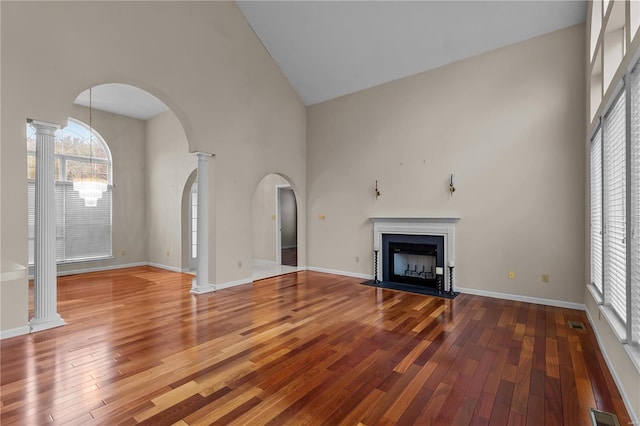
265,268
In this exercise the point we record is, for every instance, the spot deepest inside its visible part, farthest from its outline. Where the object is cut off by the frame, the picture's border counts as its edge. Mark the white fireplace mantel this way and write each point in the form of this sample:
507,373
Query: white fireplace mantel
434,225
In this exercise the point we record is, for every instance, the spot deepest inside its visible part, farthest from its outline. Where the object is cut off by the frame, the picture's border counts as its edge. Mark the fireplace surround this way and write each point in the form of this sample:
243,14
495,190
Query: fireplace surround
423,231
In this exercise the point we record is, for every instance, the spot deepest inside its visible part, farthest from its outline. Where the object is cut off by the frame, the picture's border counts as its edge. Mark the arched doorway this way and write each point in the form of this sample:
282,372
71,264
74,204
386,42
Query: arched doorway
190,223
275,227
151,162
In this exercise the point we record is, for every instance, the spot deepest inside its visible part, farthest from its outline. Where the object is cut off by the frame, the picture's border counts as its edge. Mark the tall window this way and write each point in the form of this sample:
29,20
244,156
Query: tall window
82,232
614,196
615,210
194,220
596,210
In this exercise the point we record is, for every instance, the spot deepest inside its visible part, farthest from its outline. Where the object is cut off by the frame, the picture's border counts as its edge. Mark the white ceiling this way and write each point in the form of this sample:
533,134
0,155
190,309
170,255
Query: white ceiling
124,100
332,48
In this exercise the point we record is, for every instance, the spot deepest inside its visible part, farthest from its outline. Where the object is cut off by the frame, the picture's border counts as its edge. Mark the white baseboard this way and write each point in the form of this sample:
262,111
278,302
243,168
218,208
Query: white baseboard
344,273
165,267
13,332
96,269
612,370
519,298
233,283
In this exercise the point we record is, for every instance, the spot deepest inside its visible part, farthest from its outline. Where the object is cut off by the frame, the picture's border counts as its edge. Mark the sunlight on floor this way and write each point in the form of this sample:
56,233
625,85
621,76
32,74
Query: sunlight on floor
265,268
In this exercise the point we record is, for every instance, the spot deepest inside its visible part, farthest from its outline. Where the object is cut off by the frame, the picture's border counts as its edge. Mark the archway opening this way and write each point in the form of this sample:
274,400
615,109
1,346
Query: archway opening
275,227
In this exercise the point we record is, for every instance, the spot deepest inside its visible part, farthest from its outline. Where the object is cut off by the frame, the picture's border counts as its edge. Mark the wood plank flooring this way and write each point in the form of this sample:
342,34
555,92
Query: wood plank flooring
301,349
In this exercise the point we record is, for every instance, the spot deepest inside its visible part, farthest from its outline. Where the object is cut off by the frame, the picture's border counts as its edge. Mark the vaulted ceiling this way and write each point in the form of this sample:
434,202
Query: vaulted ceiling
328,49
332,48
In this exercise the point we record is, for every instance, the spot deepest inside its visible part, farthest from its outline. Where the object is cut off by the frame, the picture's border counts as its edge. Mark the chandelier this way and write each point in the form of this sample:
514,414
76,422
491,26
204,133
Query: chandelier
90,188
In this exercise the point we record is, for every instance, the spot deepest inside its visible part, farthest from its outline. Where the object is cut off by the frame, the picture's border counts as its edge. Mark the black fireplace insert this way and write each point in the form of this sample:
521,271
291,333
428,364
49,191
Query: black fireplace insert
412,259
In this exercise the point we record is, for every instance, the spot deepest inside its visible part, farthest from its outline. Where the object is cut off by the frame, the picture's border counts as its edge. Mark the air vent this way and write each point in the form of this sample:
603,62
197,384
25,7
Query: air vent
601,418
576,325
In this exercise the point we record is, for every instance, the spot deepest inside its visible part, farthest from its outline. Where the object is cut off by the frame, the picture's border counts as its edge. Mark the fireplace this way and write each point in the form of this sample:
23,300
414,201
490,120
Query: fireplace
412,259
409,249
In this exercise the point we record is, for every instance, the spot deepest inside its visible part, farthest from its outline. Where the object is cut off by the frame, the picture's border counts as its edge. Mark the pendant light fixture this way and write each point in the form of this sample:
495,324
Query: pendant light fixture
90,188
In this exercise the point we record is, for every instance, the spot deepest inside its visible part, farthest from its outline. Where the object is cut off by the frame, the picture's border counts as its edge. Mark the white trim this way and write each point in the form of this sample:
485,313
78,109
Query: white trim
519,298
202,289
336,272
634,354
166,267
112,267
233,283
610,365
615,324
13,332
98,269
595,293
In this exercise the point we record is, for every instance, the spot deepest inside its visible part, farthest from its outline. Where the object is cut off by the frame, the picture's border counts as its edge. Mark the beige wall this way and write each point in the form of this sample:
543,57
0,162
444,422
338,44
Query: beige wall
509,124
199,58
169,165
264,214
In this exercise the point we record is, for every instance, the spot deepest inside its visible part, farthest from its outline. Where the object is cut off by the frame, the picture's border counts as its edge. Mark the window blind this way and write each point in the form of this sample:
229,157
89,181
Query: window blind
82,232
635,205
596,210
614,214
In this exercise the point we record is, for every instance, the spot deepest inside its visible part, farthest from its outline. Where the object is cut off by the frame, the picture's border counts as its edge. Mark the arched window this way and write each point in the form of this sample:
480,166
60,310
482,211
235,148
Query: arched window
82,232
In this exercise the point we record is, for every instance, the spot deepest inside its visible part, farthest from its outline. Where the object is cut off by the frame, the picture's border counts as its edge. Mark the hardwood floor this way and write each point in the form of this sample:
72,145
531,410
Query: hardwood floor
304,349
290,256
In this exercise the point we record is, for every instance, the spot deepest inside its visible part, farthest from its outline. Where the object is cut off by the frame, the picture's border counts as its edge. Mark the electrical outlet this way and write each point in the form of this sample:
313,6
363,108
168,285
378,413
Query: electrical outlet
545,278
239,263
357,259
512,275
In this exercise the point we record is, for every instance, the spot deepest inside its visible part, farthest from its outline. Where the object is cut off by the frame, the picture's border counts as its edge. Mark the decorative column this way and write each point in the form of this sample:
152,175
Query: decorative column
200,283
45,292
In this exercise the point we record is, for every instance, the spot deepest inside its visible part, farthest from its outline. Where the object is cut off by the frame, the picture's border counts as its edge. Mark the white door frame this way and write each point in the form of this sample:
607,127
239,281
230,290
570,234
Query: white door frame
279,224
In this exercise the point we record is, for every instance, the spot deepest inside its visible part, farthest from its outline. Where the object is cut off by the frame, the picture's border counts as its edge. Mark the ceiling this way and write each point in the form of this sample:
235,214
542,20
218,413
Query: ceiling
328,49
332,48
124,100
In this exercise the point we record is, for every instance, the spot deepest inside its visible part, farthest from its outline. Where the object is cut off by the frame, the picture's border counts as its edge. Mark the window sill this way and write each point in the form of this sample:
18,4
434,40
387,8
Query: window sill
615,323
634,354
595,293
74,261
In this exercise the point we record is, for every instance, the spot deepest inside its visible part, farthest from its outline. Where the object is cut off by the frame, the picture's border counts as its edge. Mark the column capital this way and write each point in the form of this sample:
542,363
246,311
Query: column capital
203,155
43,125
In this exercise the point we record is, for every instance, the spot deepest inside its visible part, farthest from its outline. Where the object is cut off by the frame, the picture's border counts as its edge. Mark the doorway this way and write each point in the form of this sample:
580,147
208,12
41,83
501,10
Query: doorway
287,229
275,227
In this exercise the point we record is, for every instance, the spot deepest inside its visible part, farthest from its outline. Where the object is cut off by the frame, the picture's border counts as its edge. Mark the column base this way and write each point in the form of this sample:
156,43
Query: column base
45,323
201,289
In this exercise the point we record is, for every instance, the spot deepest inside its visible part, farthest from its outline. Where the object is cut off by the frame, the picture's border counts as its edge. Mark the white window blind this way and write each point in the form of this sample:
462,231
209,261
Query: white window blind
81,232
635,205
596,210
614,214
